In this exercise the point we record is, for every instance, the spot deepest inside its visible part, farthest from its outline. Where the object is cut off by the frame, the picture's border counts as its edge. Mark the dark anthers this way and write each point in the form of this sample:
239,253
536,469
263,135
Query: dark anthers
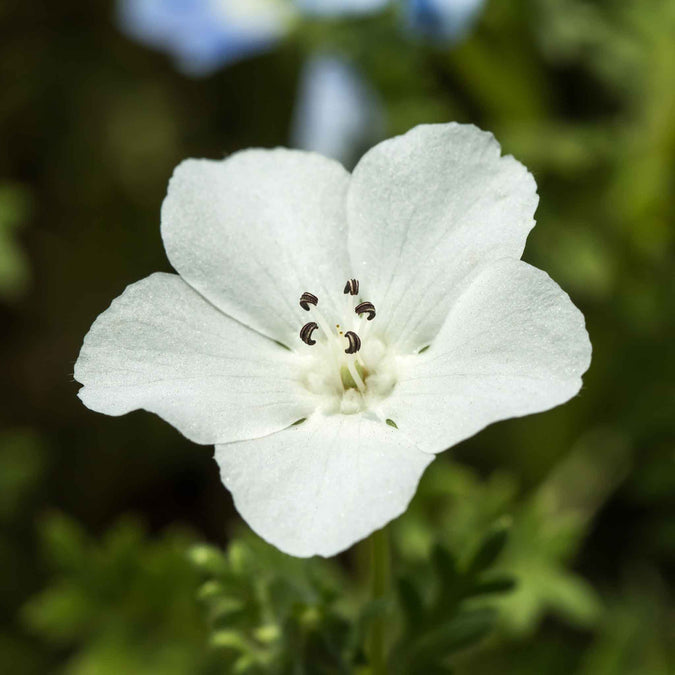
306,333
352,287
354,342
366,307
307,299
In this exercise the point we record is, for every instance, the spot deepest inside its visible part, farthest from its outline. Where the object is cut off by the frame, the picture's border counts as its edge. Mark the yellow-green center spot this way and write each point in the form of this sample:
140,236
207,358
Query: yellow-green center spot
346,376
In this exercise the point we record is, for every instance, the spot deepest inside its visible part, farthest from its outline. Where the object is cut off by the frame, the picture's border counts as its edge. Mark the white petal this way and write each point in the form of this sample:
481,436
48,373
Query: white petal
161,347
426,210
319,487
253,232
512,345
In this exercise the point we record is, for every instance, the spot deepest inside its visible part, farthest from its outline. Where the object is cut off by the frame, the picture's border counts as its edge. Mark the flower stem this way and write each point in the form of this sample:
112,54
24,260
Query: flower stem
380,573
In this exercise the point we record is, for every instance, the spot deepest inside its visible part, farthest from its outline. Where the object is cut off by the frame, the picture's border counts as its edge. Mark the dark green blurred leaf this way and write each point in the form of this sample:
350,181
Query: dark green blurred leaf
15,210
497,584
490,548
443,641
411,603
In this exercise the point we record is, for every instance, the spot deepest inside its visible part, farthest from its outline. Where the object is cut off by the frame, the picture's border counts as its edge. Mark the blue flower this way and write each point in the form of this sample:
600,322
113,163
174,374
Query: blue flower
329,8
442,20
203,35
337,113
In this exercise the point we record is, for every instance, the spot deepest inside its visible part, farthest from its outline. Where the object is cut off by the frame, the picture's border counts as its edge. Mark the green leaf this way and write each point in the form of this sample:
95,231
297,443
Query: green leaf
61,614
207,559
445,565
459,633
490,548
411,602
498,584
65,542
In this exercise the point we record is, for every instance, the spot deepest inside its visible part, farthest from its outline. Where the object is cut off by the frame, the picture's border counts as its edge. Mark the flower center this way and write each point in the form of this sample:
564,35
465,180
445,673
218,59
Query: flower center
348,365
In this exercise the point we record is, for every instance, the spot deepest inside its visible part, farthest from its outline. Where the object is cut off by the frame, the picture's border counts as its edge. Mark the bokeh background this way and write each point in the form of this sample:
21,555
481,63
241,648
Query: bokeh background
109,527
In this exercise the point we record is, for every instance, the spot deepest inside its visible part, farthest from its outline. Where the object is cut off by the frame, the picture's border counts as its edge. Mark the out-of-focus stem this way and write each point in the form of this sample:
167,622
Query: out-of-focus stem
380,574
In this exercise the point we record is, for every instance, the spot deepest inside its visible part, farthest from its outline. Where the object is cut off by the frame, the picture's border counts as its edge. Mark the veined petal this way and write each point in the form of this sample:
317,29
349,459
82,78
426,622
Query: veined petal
161,347
426,210
513,344
252,232
319,487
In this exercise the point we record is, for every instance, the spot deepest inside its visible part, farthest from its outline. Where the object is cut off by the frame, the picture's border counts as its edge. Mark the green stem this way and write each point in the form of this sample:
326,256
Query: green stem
380,566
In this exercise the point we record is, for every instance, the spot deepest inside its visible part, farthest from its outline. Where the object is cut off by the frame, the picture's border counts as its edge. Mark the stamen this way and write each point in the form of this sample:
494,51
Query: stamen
306,333
323,324
337,374
307,299
352,287
354,342
366,307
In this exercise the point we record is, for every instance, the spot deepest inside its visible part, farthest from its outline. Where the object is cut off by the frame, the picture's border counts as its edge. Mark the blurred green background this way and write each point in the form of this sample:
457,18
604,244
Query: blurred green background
101,518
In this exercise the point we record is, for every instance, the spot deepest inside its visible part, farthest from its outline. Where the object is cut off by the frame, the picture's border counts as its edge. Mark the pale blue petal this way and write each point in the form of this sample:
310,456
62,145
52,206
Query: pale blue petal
337,113
199,34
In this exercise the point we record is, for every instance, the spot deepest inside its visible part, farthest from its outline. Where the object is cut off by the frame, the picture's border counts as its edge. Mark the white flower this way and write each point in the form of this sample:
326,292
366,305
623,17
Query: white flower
432,225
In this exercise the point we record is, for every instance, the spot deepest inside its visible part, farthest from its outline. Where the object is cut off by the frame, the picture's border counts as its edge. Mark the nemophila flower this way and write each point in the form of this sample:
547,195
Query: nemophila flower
442,20
336,8
204,35
330,333
337,113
